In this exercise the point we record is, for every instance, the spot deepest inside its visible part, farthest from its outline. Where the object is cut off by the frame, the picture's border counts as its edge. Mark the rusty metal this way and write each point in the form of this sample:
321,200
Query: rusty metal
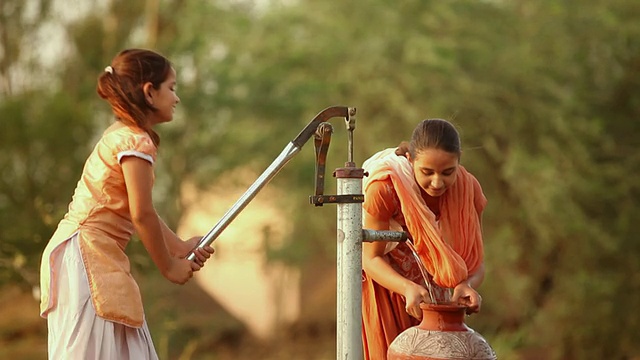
322,138
318,200
349,172
384,235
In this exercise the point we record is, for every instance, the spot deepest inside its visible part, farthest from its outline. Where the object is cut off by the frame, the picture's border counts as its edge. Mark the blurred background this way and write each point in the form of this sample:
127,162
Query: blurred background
546,95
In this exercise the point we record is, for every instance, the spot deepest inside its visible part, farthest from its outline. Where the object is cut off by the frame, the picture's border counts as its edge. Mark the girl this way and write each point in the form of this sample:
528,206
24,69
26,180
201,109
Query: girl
422,189
92,303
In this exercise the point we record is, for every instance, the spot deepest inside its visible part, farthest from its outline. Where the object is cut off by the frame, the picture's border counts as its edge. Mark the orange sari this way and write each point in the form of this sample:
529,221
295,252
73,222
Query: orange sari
450,248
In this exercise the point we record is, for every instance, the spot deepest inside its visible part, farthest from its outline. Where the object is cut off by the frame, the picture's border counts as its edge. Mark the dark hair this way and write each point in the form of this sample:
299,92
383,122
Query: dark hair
432,134
121,85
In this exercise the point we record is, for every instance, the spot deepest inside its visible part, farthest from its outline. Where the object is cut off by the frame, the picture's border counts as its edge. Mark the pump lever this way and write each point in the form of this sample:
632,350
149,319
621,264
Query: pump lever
289,151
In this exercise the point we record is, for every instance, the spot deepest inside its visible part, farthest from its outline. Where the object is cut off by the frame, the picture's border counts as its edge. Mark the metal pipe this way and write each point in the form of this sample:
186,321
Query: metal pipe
349,260
289,151
369,235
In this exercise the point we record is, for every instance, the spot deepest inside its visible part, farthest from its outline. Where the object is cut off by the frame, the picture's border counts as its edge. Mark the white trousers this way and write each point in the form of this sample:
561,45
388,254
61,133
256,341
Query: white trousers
75,331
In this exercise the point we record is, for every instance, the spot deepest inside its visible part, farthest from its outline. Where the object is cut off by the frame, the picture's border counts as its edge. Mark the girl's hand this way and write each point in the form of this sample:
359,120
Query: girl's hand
202,254
464,294
415,294
179,271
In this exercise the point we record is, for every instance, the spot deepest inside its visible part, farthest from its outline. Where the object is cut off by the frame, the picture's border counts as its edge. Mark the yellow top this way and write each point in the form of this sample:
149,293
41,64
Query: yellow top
99,214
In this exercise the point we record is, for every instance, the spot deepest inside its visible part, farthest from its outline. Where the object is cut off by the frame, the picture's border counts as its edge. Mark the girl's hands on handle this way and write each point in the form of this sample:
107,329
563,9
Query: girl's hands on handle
179,271
464,294
166,249
202,254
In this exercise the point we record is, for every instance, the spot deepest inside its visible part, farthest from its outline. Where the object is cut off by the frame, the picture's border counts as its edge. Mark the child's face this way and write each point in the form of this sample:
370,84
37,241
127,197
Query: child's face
435,170
165,99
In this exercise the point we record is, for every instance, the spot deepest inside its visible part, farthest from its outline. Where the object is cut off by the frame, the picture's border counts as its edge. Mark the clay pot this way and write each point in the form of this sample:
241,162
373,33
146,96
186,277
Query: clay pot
441,335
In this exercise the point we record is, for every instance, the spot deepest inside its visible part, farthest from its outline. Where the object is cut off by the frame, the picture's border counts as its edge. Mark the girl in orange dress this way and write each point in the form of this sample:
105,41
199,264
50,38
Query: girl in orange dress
91,302
421,188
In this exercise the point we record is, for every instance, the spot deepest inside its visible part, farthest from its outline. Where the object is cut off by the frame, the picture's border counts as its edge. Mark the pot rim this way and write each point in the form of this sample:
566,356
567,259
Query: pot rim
446,307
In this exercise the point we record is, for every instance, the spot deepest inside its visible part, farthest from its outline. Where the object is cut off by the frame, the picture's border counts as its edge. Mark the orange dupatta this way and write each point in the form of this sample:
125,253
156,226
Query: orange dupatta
452,251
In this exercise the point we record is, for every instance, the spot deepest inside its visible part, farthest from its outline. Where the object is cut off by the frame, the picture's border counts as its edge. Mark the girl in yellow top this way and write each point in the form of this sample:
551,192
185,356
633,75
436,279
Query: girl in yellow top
92,303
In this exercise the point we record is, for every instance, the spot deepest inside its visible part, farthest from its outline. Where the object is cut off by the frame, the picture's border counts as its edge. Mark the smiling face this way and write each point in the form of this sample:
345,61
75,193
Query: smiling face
164,99
435,170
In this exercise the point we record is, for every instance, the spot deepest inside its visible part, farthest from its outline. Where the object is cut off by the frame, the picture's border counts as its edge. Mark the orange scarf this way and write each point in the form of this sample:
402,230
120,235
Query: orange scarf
452,251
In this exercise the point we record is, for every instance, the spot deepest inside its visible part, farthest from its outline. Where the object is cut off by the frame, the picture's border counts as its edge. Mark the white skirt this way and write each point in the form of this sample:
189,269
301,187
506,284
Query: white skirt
75,331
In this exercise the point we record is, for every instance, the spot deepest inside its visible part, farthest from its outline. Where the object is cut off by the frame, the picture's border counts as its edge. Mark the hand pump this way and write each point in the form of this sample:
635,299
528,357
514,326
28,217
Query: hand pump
350,233
287,154
350,236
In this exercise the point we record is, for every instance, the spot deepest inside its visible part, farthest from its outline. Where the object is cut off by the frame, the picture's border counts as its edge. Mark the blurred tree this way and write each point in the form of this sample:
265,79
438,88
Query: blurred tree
546,159
545,95
534,131
39,162
18,21
41,135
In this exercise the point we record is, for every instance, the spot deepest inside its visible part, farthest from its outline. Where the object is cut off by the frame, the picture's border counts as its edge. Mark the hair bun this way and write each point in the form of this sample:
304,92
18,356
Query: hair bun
403,149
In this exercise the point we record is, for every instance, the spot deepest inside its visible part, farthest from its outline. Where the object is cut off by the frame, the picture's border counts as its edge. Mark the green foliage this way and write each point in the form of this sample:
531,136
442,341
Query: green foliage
44,138
545,93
